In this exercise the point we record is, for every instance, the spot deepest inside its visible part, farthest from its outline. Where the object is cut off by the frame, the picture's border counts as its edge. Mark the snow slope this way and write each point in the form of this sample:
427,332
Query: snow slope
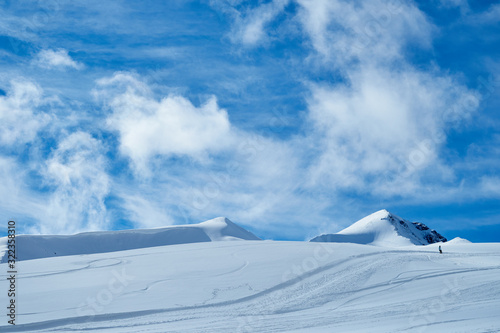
42,246
384,229
262,286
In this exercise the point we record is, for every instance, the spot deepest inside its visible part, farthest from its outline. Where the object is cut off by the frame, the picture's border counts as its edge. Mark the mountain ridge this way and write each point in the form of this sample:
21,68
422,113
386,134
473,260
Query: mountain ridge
43,246
381,228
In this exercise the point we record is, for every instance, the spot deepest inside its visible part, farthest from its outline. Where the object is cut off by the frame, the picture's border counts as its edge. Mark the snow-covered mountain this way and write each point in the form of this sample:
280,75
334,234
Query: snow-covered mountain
43,246
127,281
383,228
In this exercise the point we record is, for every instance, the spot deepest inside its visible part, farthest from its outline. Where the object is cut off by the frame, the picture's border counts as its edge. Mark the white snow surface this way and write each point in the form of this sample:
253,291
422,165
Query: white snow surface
43,246
261,286
202,286
381,228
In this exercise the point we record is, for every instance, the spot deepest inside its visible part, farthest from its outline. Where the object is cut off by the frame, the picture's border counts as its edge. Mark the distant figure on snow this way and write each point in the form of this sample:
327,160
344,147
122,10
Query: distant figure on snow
440,251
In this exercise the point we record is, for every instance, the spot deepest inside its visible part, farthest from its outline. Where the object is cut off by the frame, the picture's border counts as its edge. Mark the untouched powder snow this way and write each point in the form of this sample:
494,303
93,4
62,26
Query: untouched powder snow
383,228
43,246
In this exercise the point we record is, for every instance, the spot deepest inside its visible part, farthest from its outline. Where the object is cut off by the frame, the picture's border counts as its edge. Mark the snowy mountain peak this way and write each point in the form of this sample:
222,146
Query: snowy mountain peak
221,228
218,222
383,228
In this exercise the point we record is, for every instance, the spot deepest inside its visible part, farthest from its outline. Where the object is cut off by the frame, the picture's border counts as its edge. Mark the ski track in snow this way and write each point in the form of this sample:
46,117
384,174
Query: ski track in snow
376,288
88,265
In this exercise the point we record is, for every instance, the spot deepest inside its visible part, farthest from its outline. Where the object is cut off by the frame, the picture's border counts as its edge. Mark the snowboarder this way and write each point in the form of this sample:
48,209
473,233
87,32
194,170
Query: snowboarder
440,251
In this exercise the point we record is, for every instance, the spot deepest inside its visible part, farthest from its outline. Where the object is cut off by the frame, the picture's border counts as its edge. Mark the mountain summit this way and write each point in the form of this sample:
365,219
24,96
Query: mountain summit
383,228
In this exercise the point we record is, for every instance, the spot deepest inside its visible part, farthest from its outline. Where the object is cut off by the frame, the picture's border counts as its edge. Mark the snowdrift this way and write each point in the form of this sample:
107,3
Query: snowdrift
43,246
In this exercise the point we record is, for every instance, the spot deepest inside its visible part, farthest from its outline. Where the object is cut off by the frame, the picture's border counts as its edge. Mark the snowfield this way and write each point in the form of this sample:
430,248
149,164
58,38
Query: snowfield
263,286
223,279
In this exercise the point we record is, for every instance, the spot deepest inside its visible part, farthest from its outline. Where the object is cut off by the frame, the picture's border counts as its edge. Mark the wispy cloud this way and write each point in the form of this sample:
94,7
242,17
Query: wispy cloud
76,171
490,186
346,32
489,16
383,125
20,118
213,168
59,59
60,193
462,4
145,212
250,26
21,202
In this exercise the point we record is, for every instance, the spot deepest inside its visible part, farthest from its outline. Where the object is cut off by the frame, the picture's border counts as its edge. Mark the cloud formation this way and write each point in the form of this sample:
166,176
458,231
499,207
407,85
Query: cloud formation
345,32
250,29
77,174
20,118
379,128
58,59
489,16
385,126
220,170
181,125
172,126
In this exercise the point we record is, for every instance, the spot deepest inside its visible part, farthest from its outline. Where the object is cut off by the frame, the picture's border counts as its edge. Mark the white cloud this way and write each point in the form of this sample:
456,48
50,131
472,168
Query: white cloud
145,212
250,30
369,31
57,59
384,125
379,130
462,4
490,186
172,126
76,171
74,175
20,119
18,202
225,171
248,177
250,24
257,182
490,16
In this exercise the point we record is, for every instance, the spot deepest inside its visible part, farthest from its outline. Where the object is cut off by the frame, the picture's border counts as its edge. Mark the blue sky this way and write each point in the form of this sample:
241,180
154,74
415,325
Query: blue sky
290,117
